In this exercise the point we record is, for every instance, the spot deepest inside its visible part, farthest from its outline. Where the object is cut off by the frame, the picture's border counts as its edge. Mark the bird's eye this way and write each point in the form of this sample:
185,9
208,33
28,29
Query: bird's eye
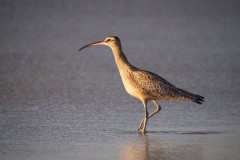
108,40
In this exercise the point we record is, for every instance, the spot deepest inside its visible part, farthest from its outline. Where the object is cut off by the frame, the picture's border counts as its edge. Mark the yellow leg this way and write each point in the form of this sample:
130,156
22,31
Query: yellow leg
141,125
157,110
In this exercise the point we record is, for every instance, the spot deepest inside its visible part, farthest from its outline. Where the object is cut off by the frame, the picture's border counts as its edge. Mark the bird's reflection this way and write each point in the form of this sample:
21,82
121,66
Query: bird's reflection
142,150
149,148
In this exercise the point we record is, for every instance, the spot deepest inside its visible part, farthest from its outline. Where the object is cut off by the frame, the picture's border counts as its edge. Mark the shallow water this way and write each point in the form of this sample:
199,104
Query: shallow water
56,103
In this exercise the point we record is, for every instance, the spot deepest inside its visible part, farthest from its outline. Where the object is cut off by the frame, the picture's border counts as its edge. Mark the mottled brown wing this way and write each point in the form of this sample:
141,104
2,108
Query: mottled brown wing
153,83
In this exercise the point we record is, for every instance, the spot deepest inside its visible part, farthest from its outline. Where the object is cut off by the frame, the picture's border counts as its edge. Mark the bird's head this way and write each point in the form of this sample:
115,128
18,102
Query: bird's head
110,41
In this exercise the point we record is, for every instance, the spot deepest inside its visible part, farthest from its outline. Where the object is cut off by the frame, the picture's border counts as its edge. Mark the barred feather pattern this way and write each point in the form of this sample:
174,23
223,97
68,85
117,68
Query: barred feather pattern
193,97
156,86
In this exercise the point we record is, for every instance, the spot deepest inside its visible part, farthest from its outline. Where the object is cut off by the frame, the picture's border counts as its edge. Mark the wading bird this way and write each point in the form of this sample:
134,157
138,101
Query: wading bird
144,85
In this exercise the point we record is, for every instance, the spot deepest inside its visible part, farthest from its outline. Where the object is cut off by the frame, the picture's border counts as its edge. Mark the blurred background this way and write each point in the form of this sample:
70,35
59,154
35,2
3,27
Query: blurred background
54,99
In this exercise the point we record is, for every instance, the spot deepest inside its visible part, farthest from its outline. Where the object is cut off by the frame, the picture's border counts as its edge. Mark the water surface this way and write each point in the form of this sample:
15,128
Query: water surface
56,103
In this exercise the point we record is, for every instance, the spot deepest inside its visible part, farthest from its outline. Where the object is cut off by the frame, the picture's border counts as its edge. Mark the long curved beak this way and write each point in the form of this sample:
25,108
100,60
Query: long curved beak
92,44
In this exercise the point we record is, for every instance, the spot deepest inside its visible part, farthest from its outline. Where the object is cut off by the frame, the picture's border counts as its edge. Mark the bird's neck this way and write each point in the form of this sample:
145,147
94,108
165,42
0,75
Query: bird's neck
121,60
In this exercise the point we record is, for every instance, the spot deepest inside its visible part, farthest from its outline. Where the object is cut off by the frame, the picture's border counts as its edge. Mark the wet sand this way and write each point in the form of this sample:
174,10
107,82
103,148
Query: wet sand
56,103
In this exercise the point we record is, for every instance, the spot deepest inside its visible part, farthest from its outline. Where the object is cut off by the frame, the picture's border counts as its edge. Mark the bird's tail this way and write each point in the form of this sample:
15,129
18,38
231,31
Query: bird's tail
192,97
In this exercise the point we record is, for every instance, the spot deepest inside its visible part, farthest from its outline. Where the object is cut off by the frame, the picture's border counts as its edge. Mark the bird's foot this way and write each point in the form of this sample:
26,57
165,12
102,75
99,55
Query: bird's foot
140,127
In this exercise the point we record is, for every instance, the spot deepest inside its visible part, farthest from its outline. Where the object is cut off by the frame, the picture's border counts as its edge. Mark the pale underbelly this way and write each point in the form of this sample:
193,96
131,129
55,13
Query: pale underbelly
136,91
141,94
131,89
